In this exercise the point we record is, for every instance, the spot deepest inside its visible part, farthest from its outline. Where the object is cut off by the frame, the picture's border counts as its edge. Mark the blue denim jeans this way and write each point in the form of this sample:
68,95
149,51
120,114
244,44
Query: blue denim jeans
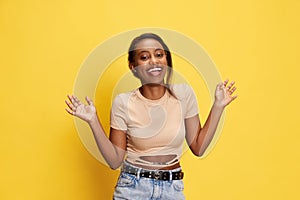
132,187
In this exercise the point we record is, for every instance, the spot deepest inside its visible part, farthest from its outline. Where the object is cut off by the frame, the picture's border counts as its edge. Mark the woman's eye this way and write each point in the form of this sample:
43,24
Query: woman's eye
144,57
159,55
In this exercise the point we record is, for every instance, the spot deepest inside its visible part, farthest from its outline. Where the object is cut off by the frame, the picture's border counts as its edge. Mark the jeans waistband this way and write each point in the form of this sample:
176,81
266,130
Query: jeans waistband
174,174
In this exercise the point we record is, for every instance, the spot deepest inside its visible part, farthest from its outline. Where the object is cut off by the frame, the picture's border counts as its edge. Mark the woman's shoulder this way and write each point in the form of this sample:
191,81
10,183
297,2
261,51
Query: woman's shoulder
181,89
124,96
180,86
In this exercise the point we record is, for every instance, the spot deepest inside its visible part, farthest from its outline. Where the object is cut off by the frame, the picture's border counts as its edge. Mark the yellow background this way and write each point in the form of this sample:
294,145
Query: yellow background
43,44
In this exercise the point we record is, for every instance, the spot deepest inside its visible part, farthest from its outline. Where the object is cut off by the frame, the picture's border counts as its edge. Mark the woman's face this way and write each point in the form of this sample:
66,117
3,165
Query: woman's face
150,62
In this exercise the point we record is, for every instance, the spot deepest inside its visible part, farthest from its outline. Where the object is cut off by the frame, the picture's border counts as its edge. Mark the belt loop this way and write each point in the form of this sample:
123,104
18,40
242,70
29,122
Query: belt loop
171,173
138,173
121,169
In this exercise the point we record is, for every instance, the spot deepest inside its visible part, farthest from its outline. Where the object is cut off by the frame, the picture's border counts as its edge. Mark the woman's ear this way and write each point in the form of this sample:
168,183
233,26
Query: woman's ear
132,67
133,70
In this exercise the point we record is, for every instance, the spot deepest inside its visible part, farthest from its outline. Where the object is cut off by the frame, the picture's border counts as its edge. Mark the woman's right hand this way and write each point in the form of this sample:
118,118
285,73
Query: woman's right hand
80,110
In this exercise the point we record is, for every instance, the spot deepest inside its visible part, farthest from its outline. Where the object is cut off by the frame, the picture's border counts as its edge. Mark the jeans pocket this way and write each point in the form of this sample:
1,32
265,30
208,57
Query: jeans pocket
126,180
178,185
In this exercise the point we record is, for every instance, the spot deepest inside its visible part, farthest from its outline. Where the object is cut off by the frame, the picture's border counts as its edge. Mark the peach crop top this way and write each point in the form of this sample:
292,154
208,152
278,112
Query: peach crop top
154,127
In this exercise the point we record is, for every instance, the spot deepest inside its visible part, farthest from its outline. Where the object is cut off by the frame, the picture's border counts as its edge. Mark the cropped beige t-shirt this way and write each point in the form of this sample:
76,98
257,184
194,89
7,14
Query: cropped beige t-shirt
155,128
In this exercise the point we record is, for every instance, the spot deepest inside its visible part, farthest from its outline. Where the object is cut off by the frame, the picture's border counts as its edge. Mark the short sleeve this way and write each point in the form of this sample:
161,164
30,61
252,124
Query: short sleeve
191,102
118,114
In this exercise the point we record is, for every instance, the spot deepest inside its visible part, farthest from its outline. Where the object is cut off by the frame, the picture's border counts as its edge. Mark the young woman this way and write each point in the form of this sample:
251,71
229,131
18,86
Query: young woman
150,123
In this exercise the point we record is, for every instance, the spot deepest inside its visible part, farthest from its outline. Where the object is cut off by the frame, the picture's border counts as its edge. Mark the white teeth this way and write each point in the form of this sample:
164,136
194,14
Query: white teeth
154,69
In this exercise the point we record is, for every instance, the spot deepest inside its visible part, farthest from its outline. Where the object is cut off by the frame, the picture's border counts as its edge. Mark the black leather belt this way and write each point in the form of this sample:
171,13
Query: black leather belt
154,174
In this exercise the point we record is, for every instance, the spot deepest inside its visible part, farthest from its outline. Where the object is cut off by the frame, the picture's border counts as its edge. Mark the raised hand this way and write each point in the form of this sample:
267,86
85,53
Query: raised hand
80,110
224,93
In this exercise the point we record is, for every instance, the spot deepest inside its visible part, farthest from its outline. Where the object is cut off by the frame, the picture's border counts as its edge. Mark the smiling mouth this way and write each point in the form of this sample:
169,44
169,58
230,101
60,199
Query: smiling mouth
155,69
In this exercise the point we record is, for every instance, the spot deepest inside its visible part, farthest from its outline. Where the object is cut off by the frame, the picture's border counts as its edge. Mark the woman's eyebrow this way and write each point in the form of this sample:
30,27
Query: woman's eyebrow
143,51
155,49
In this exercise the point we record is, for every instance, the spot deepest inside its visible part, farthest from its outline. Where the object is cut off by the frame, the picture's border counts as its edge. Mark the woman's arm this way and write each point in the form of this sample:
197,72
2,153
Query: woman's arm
113,149
199,138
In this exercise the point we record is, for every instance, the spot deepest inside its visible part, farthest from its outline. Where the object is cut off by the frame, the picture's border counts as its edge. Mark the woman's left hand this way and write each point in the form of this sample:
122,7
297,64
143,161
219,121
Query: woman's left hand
223,93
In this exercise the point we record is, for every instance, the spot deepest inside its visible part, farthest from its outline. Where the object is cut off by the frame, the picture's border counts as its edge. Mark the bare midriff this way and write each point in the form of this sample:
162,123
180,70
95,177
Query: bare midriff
175,166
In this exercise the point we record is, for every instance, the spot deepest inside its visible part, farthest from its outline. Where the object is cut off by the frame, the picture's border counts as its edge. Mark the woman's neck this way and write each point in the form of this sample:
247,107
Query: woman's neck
153,91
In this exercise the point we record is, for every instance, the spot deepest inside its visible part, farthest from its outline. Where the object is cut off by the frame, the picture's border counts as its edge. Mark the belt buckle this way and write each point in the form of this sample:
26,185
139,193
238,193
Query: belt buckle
156,175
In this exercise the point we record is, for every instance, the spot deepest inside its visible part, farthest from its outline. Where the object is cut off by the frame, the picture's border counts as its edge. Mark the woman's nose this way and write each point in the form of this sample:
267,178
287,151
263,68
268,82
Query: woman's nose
154,60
